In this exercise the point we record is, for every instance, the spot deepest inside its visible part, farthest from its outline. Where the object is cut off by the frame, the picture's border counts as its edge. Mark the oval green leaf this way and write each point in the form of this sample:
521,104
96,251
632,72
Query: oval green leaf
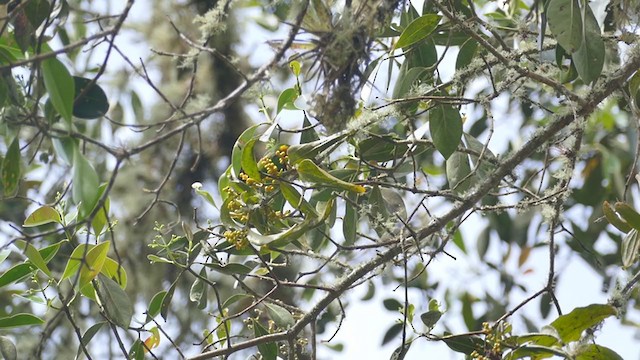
93,103
418,30
60,86
41,216
445,125
20,320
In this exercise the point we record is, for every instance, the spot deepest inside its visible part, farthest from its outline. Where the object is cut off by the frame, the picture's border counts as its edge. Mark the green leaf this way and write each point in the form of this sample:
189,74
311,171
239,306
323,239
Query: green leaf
571,326
465,344
93,263
628,214
381,149
589,58
295,67
430,318
198,291
11,169
20,320
99,221
596,352
8,349
350,223
269,351
286,100
86,184
233,299
155,304
392,304
36,259
418,30
115,301
392,333
536,352
136,352
312,149
88,335
166,301
249,165
37,11
458,170
114,271
400,352
230,268
65,147
310,172
406,80
16,273
295,199
630,248
445,125
466,54
43,215
537,339
60,86
75,260
93,104
281,316
238,148
565,22
309,134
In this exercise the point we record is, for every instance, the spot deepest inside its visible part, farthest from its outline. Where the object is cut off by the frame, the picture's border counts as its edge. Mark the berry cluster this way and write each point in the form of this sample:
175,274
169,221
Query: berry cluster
242,207
494,339
237,237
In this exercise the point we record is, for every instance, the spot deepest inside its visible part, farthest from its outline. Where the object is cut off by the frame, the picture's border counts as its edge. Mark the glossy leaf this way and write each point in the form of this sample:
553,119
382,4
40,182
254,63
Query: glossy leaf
43,215
249,165
238,148
93,263
20,320
36,259
16,273
136,352
418,30
11,169
310,172
155,304
571,326
60,86
286,100
115,301
93,104
115,272
86,184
